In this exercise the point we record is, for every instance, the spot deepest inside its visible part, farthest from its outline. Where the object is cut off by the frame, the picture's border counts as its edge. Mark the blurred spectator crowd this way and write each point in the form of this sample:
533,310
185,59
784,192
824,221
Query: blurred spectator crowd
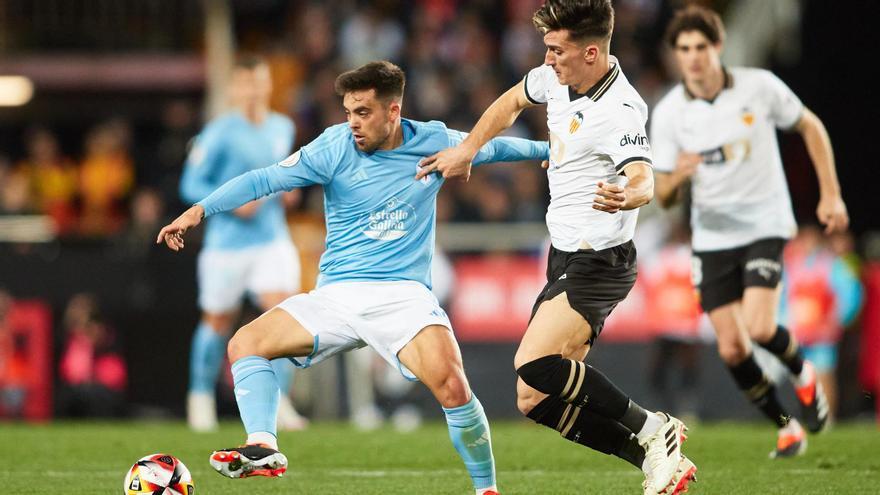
458,56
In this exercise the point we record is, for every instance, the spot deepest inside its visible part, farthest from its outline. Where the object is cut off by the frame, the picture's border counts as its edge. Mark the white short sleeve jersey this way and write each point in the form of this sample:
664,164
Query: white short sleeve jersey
739,190
593,137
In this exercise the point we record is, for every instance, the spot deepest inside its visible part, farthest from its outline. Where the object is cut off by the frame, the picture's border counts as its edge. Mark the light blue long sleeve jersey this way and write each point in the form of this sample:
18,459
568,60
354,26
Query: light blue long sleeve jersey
226,148
380,220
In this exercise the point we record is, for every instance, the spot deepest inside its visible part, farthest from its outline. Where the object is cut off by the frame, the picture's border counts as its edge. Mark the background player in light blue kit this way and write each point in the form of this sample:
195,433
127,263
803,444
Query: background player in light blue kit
375,273
247,250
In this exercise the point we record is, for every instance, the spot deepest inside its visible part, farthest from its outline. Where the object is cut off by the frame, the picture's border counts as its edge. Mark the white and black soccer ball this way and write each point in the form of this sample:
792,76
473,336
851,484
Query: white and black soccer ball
158,474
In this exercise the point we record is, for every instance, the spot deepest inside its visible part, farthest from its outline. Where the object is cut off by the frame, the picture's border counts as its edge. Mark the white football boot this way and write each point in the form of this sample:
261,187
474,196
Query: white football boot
663,452
685,474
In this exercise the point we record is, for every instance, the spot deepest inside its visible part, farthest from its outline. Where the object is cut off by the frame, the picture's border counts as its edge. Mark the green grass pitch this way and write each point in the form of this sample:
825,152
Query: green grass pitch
92,458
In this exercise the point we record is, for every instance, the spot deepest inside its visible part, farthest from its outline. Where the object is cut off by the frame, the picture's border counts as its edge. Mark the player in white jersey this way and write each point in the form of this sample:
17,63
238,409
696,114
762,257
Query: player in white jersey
599,173
717,129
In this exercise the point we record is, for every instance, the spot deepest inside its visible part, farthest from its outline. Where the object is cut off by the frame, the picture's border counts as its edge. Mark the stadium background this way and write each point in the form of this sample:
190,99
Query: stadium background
123,86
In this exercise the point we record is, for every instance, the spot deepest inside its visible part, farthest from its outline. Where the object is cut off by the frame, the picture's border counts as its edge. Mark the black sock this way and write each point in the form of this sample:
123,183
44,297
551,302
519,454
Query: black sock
786,348
589,429
758,389
583,386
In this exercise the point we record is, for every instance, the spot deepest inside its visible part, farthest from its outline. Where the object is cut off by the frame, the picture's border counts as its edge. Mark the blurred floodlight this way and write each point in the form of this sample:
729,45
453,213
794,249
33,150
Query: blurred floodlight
15,91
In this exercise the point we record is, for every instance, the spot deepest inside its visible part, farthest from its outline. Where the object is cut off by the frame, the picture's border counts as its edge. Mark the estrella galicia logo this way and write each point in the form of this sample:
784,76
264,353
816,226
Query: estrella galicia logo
635,140
390,221
576,122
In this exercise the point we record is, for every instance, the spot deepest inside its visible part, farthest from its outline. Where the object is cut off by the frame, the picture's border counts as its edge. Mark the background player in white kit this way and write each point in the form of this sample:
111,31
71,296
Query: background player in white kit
599,174
246,251
718,130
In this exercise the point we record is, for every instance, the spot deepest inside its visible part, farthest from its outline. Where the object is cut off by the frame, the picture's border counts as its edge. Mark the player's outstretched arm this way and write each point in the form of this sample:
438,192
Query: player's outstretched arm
831,210
243,189
507,149
638,192
456,161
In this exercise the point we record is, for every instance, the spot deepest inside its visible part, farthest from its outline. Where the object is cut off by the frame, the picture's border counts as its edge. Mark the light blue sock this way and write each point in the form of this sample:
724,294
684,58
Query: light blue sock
469,431
256,392
284,369
205,358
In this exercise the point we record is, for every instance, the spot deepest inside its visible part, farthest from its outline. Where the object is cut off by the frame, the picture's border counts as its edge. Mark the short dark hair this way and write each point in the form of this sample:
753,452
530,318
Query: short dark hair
386,78
249,61
695,18
583,19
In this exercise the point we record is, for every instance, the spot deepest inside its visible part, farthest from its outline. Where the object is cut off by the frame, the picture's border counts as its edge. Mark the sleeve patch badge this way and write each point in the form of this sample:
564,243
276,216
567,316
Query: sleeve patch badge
291,160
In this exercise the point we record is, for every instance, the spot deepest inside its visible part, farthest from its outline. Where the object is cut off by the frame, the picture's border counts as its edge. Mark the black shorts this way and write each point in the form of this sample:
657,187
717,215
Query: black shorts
594,281
722,276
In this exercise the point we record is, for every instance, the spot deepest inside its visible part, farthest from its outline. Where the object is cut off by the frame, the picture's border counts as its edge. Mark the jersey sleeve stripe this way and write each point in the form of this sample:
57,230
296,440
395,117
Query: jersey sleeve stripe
526,89
620,166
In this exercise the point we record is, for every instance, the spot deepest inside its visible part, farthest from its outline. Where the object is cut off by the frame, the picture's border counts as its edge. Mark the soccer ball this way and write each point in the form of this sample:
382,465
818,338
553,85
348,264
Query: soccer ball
158,474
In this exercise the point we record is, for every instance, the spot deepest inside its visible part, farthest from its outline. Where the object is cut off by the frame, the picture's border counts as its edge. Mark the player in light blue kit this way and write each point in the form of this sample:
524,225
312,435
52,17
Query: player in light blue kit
375,273
247,250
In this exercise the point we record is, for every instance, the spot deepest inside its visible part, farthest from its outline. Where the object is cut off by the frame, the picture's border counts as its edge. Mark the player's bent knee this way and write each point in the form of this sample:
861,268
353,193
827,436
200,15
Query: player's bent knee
541,373
526,399
453,392
762,332
521,358
245,342
237,347
733,352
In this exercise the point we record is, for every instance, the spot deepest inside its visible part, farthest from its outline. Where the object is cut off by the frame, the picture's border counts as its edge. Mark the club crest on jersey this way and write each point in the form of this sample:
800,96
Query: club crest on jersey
747,117
291,160
576,122
428,178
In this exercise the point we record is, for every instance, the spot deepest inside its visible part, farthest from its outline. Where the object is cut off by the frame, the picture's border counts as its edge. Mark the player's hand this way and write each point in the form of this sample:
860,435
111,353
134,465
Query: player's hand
832,214
247,210
172,233
451,163
610,198
686,164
